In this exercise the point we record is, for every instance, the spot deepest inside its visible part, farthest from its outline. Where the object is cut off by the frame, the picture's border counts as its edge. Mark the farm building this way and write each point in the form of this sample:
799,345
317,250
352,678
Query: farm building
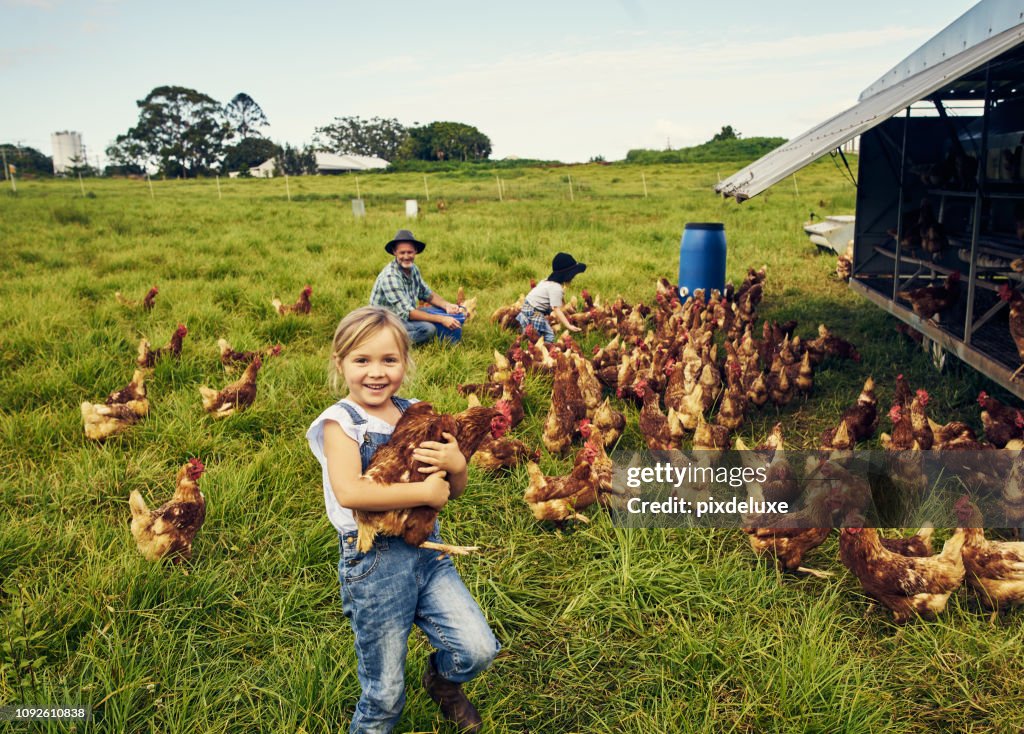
334,163
940,186
263,170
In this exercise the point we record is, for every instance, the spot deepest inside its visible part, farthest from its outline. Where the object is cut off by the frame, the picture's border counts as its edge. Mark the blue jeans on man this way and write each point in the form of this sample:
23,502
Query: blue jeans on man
424,331
420,331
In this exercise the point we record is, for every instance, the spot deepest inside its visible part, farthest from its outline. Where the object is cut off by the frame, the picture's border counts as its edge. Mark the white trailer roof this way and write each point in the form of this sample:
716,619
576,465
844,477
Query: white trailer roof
890,94
335,162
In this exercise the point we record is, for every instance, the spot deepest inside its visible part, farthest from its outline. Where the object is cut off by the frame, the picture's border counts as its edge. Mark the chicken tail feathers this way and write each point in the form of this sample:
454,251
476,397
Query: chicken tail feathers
209,397
953,548
138,505
537,483
366,537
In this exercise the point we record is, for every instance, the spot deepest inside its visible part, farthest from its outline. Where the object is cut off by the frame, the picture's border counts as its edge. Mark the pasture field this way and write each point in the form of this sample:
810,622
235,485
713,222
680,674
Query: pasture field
604,629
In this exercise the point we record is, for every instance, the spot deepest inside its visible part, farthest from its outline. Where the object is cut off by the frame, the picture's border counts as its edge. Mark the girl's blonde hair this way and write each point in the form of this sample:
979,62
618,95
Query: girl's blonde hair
360,325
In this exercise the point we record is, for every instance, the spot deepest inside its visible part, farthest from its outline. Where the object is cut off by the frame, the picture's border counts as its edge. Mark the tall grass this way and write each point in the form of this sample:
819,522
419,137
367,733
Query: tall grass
604,629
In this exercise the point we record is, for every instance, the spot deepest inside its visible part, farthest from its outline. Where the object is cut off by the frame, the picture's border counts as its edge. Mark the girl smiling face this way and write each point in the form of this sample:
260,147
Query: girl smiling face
373,371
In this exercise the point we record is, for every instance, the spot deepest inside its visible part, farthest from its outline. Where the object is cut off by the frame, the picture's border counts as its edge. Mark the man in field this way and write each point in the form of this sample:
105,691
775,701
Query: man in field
400,287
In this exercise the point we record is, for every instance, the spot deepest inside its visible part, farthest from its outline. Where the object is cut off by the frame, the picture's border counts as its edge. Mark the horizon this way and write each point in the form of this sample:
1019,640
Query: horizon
567,83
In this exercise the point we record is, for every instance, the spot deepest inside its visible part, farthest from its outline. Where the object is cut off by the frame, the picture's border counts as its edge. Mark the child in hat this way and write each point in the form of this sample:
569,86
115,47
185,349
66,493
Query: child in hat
547,297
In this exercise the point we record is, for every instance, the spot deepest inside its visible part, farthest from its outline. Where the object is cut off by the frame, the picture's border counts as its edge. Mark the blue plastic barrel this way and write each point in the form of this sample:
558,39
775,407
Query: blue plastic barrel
445,334
701,258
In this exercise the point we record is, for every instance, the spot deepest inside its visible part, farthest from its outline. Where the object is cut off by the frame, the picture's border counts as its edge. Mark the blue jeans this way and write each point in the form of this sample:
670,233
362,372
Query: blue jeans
420,331
384,593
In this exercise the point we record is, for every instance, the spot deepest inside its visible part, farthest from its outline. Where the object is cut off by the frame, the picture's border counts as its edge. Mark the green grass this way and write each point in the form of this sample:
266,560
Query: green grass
604,629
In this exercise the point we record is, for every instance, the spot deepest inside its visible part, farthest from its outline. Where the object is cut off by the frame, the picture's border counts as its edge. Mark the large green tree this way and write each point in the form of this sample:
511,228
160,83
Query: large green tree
126,157
447,141
377,136
180,130
245,116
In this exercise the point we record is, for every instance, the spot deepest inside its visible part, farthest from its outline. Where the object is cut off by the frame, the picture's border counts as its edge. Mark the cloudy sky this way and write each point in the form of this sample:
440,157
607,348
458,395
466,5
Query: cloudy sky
552,79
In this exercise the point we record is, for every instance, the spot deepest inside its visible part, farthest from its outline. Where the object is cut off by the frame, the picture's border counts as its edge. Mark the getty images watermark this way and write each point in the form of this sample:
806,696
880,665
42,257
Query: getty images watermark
794,489
691,474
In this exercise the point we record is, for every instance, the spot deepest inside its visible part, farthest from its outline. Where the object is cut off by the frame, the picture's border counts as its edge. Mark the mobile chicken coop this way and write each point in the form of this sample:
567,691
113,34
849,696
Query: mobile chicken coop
940,154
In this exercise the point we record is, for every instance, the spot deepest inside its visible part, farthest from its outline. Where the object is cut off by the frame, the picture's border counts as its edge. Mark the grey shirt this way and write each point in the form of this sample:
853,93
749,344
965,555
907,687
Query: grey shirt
546,297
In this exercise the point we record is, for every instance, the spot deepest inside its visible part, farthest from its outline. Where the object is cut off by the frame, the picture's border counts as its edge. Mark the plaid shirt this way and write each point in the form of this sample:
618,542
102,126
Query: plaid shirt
398,292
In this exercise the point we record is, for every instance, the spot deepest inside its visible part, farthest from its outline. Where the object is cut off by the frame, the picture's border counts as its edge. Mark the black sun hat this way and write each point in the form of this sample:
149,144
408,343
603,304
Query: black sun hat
404,235
564,268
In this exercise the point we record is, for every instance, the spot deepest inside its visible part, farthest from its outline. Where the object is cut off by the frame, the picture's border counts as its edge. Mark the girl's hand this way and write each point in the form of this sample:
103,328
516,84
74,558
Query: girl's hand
572,327
437,490
440,456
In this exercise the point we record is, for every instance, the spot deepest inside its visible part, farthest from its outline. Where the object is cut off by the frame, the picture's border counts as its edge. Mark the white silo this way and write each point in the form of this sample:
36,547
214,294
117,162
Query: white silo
67,151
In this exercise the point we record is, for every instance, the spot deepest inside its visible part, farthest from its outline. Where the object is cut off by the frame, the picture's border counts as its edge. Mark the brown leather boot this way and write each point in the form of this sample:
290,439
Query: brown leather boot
453,702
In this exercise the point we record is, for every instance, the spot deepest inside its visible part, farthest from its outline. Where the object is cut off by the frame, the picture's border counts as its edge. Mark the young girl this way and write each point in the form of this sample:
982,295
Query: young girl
547,297
394,585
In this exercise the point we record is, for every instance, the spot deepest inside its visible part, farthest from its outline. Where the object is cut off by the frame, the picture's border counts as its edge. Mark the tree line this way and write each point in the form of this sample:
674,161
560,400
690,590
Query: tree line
184,133
725,146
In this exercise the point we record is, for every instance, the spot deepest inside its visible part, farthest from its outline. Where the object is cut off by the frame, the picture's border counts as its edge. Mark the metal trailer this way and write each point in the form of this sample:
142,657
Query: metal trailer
945,125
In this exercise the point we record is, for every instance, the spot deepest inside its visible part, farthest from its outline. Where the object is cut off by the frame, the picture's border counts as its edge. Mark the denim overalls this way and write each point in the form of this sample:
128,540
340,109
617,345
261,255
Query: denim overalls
387,590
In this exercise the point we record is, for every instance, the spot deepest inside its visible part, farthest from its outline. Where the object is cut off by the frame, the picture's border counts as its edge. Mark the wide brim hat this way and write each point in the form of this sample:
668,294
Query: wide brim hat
564,268
404,235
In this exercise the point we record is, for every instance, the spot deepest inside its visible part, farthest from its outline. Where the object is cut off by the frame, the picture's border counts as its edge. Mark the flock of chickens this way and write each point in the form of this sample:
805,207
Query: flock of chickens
667,355
169,529
700,360
129,405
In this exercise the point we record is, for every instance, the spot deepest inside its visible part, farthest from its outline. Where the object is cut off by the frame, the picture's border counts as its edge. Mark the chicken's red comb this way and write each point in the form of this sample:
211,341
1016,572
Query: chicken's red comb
308,290
982,397
182,329
922,396
195,468
895,413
